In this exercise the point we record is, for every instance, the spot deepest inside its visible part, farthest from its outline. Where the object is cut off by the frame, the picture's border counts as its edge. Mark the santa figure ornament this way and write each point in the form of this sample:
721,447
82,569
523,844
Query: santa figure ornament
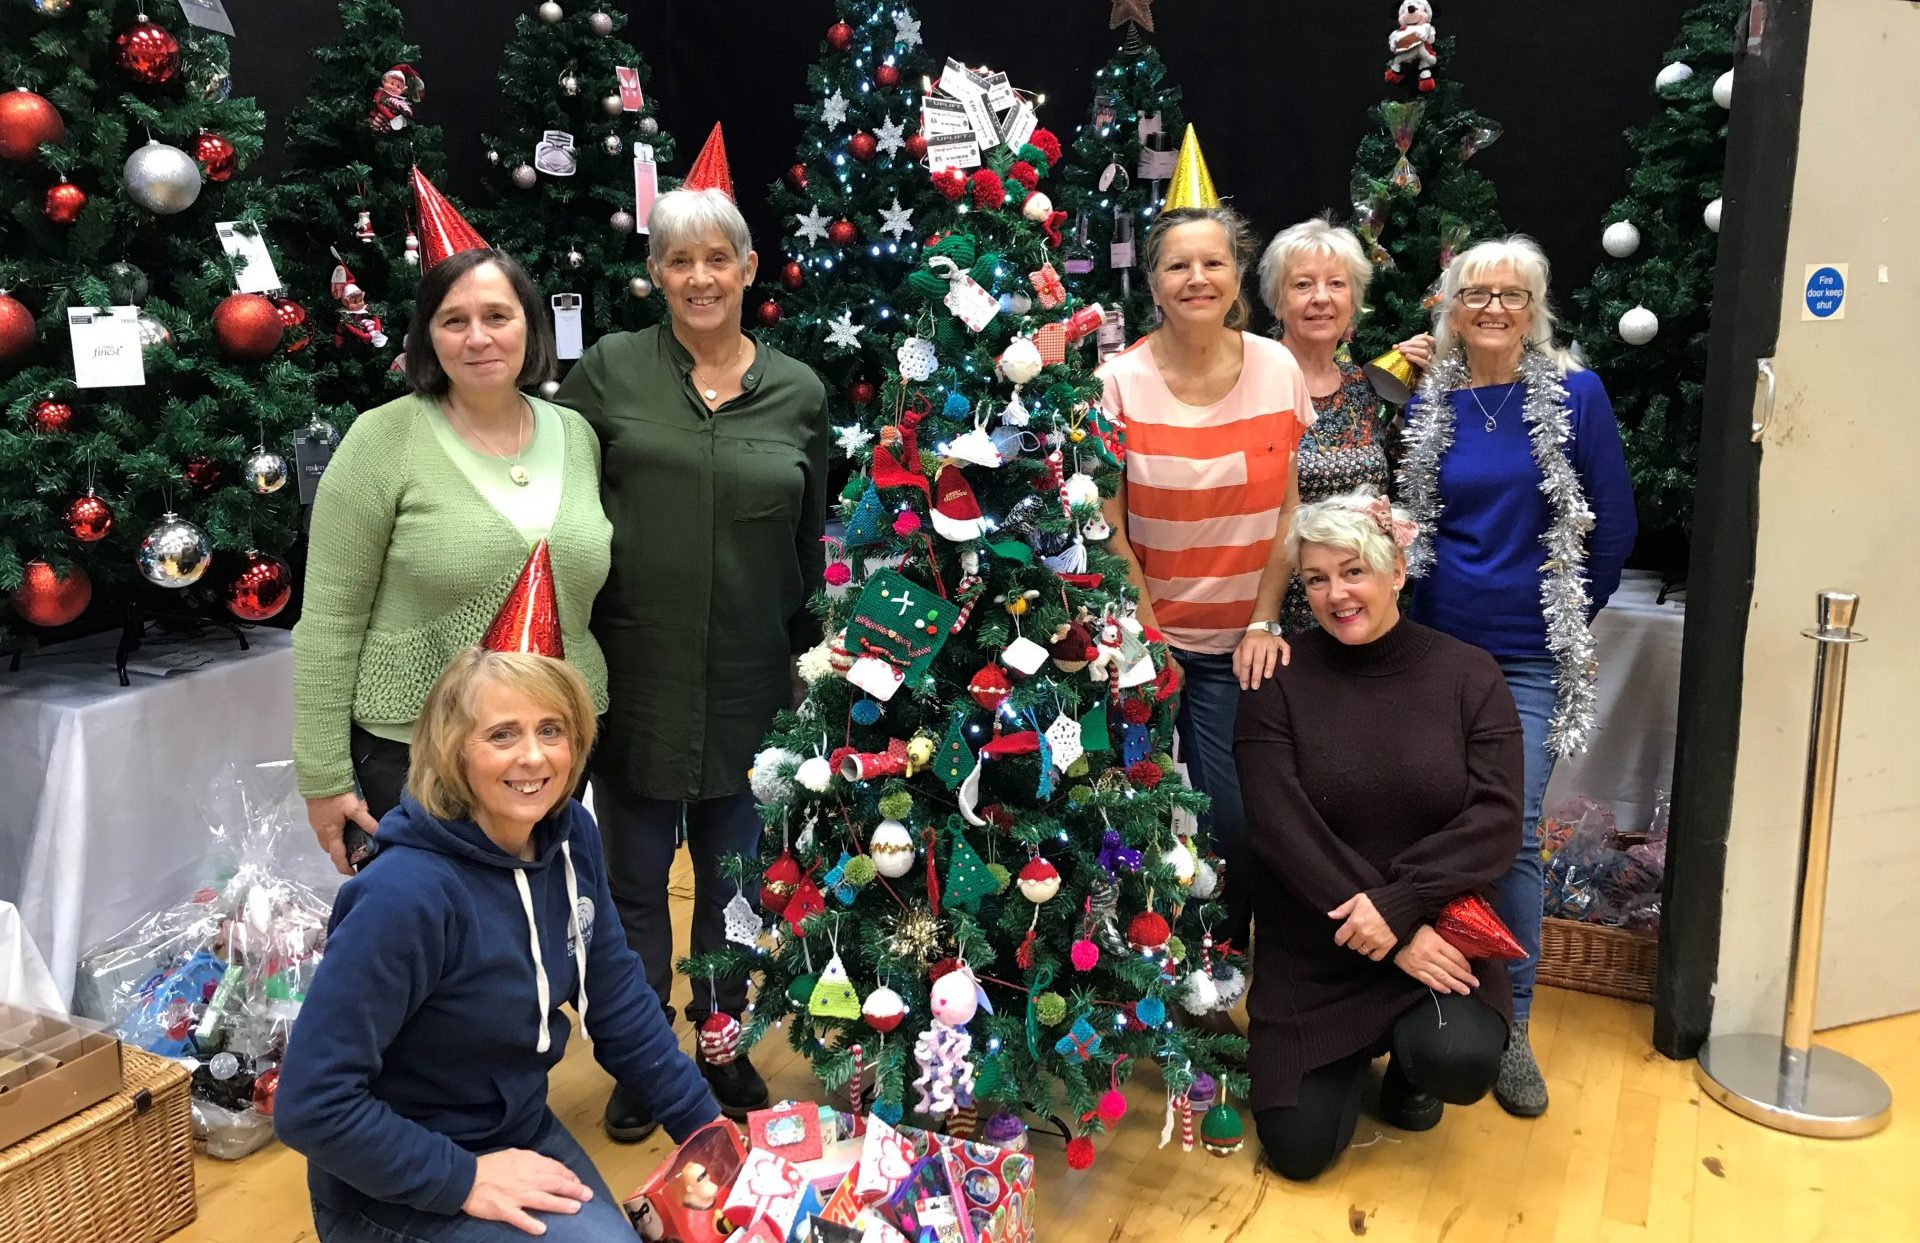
401,87
1412,44
357,322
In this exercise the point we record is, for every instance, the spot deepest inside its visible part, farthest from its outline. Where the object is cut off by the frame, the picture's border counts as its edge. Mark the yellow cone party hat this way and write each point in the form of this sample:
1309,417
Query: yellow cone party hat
1192,183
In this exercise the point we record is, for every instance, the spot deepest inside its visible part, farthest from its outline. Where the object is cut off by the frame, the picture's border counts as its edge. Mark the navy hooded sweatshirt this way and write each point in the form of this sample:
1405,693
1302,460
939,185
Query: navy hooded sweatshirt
435,1016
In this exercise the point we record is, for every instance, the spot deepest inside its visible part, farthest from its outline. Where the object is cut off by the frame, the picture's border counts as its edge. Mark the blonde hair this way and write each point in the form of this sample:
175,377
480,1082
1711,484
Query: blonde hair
1240,243
1344,522
1530,263
436,762
1318,236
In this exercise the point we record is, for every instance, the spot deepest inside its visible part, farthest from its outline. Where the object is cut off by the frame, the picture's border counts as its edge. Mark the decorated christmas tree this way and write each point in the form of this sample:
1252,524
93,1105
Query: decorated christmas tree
1644,317
147,408
855,199
343,210
972,820
1417,197
1116,175
572,177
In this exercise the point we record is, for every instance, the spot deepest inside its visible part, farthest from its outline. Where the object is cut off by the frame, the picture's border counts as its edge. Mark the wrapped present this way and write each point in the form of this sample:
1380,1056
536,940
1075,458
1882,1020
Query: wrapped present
681,1199
769,1199
994,1185
790,1131
927,1207
886,1160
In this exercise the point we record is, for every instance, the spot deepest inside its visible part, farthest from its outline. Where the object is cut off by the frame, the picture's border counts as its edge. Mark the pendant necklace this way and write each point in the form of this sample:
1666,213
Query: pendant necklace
707,391
1493,419
515,471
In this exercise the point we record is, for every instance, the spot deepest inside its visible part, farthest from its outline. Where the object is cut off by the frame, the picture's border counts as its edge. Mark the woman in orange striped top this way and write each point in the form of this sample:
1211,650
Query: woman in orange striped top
1212,417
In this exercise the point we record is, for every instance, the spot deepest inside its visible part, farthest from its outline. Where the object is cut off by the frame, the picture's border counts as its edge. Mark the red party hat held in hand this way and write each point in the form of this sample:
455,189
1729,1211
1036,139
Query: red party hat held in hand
443,230
1470,926
710,171
530,619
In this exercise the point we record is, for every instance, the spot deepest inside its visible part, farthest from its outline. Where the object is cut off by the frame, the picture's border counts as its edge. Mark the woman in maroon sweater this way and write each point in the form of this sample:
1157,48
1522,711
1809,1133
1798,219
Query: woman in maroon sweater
1382,780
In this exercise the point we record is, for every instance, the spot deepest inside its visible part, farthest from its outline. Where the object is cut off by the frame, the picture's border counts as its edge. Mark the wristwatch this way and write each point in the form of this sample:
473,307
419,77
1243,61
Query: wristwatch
1271,627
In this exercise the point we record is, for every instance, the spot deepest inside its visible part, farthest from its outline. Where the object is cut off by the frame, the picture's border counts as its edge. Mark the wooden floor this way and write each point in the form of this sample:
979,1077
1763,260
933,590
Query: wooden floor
1630,1150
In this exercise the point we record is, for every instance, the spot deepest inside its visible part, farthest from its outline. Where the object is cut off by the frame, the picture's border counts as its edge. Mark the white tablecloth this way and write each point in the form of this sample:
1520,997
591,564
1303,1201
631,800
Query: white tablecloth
1630,757
101,785
24,980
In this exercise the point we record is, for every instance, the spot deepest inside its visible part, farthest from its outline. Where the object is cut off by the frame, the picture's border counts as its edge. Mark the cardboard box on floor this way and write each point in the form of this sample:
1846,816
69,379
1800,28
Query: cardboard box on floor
51,1068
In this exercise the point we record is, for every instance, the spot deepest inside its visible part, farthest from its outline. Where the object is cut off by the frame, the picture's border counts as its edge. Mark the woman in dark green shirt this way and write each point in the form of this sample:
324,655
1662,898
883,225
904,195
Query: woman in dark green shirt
714,475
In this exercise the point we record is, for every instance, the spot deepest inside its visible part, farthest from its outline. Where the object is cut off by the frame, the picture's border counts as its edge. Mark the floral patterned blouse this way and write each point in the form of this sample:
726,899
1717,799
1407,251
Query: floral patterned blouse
1350,444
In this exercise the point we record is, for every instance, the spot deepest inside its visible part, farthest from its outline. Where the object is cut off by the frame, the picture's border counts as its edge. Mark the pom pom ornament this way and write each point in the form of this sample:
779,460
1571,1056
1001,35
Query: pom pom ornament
719,1039
1180,861
1206,881
1620,239
1085,955
1199,994
1080,1153
989,192
883,1009
769,777
1021,362
1039,881
891,847
815,774
1639,326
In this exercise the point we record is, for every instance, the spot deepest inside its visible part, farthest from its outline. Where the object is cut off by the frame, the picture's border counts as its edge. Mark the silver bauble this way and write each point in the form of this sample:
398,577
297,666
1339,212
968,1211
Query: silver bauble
551,12
175,553
549,389
622,221
1620,239
600,24
127,285
524,176
153,334
162,179
611,144
322,432
640,287
266,471
575,259
649,126
1673,75
569,84
612,106
1723,89
1711,215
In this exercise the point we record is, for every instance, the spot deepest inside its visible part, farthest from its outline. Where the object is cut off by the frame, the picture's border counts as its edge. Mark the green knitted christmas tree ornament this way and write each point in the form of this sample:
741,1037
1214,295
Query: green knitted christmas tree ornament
968,880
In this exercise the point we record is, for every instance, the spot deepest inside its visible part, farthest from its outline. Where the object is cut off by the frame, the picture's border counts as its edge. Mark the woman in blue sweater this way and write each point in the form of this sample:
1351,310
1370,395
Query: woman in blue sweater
1513,470
416,1078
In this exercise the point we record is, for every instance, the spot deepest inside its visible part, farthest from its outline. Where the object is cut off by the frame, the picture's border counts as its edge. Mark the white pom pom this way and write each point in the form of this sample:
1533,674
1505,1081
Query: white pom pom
1723,89
815,663
1082,490
815,774
1230,989
1621,239
1021,361
1206,881
1639,326
1199,996
1181,860
1673,75
1712,215
770,777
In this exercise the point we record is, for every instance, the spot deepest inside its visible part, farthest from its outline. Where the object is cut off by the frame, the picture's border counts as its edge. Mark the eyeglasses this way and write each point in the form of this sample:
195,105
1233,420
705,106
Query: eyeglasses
1475,298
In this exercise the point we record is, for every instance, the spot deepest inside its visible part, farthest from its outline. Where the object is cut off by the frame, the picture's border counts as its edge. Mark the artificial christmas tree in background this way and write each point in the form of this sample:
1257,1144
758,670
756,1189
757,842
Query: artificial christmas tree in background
144,447
1644,318
561,180
855,202
973,824
345,197
1115,178
1417,197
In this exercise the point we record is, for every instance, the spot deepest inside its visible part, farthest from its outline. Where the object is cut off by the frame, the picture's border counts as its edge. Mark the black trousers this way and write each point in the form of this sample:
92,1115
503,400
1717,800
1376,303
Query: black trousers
1451,1050
380,768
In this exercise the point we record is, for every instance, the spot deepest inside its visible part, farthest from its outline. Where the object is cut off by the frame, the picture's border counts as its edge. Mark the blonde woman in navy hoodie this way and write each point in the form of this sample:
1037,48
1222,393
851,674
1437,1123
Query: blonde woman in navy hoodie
416,1080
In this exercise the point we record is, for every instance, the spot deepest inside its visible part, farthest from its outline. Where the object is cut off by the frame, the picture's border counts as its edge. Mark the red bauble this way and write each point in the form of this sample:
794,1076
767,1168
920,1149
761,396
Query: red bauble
16,328
793,275
916,148
293,319
88,519
843,233
203,473
768,313
1080,1153
216,156
50,416
862,392
887,75
952,184
776,890
1024,173
839,36
147,53
45,598
989,192
797,178
64,201
247,326
261,589
863,146
26,121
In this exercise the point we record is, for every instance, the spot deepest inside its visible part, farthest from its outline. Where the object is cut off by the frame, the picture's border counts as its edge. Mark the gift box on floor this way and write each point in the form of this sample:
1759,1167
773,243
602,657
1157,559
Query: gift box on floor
995,1185
121,1170
771,1200
682,1199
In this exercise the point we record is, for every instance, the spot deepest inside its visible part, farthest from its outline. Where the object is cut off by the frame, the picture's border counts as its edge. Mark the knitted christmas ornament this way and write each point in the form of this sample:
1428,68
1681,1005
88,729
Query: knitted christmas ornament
1147,931
776,888
968,880
1039,880
1080,1153
989,686
1221,1131
956,511
806,900
833,996
883,1009
742,921
719,1039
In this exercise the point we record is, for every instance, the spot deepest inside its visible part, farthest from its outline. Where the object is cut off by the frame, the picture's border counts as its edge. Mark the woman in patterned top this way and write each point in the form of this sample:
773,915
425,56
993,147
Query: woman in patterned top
1313,277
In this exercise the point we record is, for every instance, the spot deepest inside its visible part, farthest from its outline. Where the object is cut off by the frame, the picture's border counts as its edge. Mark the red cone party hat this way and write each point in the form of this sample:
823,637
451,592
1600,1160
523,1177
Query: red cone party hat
530,619
710,171
443,230
1470,926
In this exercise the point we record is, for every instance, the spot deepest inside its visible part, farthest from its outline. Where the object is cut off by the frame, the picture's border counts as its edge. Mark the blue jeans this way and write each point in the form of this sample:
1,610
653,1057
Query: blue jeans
1209,702
600,1220
1517,896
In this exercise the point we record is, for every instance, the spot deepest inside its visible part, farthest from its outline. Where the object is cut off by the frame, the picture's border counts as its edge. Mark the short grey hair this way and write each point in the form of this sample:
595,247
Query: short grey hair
1530,262
1318,236
682,217
1342,522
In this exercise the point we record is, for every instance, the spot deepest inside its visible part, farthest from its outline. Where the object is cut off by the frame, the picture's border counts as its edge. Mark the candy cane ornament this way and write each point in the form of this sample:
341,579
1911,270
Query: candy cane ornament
853,1089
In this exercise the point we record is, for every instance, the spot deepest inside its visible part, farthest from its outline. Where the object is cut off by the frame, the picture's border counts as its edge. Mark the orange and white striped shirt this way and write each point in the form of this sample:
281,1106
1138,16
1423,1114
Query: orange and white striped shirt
1205,485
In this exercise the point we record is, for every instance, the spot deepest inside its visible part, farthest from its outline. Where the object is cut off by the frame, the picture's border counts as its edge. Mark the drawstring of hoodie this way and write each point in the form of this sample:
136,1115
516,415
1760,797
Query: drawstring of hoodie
579,938
575,937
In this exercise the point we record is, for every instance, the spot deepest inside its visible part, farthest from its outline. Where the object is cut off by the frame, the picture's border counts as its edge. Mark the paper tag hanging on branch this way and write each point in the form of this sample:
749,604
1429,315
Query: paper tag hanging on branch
971,304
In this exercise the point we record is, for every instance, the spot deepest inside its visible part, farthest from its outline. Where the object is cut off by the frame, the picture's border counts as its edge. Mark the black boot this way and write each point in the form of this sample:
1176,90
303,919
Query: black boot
737,1086
627,1121
1404,1106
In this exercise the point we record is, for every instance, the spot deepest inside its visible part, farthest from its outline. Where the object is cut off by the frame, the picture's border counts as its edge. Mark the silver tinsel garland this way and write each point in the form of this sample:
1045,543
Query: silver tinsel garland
1563,591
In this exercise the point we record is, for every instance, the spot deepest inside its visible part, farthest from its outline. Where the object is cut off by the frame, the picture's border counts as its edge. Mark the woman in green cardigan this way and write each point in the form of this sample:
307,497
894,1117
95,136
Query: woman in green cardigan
715,479
422,523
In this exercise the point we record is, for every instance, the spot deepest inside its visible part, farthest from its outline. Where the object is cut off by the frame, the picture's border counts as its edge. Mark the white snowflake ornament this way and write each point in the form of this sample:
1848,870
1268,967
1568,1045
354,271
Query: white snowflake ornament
906,29
918,359
1064,737
896,220
812,225
742,921
852,438
833,110
843,332
890,136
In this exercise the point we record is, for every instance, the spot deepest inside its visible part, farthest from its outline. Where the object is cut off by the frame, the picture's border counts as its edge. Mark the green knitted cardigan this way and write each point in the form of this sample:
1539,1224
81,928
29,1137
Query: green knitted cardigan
407,564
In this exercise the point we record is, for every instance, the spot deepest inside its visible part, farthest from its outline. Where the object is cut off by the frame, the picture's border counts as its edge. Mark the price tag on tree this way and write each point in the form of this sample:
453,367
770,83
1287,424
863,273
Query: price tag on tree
253,270
567,335
646,185
106,347
631,100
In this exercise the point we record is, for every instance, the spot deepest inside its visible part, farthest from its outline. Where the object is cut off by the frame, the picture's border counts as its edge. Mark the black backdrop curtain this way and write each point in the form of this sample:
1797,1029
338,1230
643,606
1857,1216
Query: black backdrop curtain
1278,88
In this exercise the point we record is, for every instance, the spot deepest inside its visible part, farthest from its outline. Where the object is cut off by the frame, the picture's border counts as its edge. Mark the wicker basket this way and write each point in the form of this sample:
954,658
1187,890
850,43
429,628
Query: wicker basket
1592,958
121,1171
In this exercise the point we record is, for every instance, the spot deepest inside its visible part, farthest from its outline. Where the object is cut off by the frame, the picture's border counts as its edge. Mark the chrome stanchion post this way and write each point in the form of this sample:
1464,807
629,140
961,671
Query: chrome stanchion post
1788,1082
